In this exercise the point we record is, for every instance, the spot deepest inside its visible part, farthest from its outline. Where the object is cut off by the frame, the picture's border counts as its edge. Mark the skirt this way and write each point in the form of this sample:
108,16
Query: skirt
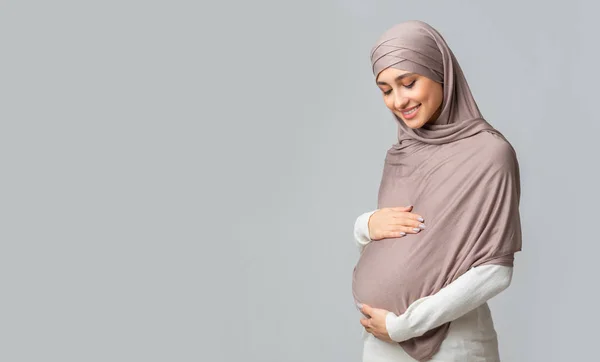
471,338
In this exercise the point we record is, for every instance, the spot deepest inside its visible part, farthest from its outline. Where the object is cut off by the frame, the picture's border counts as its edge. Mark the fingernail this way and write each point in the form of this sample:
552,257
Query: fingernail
402,233
422,226
420,219
359,305
416,230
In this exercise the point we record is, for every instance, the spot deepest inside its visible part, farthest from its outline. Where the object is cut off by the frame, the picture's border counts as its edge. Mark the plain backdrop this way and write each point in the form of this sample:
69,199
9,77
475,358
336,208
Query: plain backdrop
180,179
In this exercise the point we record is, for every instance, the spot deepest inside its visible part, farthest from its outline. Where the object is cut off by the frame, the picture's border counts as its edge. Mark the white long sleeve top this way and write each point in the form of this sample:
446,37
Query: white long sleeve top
471,337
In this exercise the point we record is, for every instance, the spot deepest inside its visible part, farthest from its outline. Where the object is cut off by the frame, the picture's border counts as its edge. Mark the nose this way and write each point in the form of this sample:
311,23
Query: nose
400,102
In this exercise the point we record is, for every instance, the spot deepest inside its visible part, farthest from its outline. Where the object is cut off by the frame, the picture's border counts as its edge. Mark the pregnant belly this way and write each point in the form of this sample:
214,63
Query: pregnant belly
390,274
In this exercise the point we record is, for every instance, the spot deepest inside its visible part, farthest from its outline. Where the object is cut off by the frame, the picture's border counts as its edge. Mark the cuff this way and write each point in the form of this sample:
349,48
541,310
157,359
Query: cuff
361,228
392,323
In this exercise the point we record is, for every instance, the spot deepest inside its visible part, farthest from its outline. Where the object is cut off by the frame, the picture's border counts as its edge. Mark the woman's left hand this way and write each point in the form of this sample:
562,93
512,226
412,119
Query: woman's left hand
375,322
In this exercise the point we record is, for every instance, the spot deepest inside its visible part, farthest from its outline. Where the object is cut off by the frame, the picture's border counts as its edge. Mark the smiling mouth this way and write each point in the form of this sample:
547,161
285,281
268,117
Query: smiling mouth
410,113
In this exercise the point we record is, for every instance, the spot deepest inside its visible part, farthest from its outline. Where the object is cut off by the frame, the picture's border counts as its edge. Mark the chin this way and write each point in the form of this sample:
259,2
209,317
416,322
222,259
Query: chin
416,123
413,123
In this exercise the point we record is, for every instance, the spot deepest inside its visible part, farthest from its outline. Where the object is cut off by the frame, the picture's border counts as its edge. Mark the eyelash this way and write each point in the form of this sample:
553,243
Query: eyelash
406,86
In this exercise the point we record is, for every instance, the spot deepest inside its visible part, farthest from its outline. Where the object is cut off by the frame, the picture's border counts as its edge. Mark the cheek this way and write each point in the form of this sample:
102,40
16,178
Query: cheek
432,97
419,95
438,95
389,102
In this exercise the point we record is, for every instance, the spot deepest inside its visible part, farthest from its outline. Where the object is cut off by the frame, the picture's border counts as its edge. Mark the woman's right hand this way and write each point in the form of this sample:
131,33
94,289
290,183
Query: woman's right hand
394,222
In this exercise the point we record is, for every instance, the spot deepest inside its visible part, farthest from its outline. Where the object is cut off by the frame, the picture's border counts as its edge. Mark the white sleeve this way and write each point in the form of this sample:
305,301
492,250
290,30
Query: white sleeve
361,230
466,293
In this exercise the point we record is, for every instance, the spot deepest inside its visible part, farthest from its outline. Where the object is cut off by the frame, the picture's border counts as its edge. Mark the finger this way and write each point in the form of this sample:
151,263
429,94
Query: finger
394,234
410,223
366,323
413,216
399,223
366,309
402,208
405,229
413,230
408,216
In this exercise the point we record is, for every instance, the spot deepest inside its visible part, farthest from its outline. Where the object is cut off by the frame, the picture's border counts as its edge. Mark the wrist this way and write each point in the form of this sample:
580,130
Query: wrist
368,231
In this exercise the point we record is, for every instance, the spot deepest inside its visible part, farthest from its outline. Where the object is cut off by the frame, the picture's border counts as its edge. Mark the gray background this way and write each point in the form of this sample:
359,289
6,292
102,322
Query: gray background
180,179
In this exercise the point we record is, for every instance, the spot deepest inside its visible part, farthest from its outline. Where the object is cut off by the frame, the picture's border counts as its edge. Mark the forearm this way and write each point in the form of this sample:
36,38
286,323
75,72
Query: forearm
466,293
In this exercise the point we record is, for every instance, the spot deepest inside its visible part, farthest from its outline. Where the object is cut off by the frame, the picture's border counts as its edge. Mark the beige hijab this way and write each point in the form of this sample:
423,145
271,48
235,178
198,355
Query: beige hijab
459,172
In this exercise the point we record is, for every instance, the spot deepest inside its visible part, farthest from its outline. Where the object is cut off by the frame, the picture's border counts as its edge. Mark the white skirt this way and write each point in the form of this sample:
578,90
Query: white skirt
471,338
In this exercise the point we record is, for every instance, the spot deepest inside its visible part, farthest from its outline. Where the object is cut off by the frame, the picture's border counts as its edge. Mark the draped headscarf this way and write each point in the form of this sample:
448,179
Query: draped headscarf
457,171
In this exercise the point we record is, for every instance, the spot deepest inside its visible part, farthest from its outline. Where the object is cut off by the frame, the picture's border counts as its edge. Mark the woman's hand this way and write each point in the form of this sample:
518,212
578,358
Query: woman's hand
394,222
375,322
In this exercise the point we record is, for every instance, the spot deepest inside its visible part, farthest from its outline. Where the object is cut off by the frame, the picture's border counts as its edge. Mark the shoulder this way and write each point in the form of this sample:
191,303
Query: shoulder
496,151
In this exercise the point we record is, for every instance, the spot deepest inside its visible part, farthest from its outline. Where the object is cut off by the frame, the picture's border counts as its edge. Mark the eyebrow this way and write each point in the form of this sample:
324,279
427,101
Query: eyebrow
398,78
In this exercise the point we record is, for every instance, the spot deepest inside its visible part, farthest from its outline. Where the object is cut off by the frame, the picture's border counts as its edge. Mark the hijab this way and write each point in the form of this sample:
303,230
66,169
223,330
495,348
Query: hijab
457,171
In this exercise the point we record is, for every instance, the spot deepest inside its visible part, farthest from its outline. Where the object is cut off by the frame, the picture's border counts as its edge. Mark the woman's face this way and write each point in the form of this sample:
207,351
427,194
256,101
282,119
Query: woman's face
412,97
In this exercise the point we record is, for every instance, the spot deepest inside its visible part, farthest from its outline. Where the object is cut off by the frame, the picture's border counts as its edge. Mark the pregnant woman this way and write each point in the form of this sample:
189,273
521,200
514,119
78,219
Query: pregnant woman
442,240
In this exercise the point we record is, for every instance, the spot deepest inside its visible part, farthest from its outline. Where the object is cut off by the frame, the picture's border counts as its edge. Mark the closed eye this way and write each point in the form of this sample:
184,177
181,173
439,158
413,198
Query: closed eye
411,84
